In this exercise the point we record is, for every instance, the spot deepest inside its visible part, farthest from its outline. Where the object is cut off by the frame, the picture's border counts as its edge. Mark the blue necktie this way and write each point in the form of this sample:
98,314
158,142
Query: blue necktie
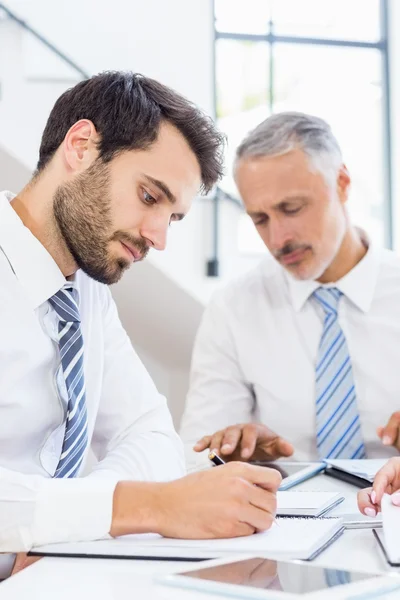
65,303
338,422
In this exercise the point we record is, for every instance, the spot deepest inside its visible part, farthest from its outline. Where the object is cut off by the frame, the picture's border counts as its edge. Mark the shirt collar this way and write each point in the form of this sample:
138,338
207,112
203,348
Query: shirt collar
358,285
33,266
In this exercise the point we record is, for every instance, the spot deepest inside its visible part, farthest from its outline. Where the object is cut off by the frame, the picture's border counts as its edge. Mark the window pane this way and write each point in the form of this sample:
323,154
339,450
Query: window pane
242,82
242,16
340,19
249,242
343,86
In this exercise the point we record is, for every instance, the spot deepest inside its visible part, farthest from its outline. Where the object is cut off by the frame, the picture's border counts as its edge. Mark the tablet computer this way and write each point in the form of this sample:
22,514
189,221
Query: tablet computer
266,578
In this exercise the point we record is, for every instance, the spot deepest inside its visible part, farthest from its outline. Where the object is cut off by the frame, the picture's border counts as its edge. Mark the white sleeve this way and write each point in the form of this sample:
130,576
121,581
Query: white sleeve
134,437
35,510
219,394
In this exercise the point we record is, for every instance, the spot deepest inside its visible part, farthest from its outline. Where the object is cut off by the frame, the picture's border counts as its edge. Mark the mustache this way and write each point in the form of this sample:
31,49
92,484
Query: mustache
139,243
288,249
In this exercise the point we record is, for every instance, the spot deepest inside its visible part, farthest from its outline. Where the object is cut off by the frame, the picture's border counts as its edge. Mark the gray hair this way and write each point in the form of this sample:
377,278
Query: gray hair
286,131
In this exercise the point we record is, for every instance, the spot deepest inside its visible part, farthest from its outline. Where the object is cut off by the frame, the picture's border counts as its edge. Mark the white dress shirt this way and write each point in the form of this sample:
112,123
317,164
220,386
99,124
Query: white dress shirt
129,426
256,349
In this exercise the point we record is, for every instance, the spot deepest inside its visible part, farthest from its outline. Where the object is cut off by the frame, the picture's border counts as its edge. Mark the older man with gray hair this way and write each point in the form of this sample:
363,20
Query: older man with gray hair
300,355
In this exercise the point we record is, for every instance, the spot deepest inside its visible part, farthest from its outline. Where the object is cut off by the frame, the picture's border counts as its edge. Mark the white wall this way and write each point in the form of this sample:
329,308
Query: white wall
172,383
13,174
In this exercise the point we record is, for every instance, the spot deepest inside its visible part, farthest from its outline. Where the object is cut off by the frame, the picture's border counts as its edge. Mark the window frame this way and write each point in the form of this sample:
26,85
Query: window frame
382,45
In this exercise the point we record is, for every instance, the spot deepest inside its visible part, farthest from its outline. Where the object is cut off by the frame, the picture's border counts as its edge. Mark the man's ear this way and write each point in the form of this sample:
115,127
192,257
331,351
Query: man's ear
343,184
80,146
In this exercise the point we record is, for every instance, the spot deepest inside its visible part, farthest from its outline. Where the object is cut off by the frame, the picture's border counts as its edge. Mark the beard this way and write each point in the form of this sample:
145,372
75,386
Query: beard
82,211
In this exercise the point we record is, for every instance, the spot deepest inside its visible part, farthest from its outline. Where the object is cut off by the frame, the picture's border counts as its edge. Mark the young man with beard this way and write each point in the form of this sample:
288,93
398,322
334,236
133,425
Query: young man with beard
300,354
121,158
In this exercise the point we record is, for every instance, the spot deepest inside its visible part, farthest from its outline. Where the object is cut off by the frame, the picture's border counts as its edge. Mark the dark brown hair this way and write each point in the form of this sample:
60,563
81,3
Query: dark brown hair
127,110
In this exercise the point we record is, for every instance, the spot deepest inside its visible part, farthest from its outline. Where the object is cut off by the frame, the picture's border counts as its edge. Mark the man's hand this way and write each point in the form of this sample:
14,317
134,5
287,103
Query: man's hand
227,501
390,434
251,441
387,481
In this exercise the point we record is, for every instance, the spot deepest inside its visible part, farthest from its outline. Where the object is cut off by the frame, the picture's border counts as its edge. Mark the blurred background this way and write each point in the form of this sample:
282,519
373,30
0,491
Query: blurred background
240,61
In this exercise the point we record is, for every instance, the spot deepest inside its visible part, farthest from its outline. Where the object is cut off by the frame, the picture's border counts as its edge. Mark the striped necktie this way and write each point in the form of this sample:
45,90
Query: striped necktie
338,422
70,343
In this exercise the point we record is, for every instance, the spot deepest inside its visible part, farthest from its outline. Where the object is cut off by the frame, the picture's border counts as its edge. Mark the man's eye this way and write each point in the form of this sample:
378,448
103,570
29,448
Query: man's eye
260,221
292,211
148,198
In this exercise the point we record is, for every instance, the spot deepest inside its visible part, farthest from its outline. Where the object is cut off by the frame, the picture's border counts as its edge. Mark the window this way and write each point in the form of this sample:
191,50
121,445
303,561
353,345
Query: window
326,58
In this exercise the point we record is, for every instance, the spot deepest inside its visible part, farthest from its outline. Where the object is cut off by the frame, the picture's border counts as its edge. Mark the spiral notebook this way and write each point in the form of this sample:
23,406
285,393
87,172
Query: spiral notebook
288,538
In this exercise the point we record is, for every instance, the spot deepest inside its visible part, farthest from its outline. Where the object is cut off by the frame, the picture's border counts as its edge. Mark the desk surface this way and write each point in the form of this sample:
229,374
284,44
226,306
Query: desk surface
75,579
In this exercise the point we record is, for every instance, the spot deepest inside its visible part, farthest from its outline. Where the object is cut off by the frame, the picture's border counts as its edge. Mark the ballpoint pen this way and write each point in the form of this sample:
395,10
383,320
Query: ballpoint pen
215,459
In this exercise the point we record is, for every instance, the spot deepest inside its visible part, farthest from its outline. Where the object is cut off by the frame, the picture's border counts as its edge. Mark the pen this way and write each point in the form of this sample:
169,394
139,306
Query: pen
217,460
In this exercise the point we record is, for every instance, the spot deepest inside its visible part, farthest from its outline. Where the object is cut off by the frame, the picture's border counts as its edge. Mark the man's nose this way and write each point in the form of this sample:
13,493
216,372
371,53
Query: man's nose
155,231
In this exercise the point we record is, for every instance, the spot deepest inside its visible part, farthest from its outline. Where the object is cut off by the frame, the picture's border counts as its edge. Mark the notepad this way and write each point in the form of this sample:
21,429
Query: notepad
307,504
289,538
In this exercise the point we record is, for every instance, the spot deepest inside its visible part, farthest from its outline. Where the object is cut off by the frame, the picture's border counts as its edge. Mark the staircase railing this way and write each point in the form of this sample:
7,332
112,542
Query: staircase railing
81,72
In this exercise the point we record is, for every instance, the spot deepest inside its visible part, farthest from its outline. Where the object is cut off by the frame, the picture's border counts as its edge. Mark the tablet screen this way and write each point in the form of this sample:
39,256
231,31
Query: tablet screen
267,574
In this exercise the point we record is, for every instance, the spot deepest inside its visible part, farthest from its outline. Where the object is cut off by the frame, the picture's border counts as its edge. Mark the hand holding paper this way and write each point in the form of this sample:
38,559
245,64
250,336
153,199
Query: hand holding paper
387,481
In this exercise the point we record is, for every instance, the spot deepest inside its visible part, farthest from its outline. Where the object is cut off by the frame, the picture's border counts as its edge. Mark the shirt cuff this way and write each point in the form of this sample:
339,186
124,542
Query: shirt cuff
73,510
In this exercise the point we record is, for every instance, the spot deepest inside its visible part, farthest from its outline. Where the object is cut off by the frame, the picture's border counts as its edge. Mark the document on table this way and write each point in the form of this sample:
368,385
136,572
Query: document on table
289,538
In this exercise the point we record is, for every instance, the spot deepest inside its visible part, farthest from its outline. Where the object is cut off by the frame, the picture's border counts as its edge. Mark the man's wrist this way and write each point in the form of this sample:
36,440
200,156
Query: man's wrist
136,508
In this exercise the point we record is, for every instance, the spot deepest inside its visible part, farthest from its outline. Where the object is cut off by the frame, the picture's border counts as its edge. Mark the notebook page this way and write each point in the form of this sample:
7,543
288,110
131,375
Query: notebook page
292,537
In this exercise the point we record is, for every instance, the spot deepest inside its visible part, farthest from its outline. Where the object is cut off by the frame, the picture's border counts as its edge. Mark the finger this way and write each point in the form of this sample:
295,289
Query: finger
249,440
260,519
216,440
263,499
385,478
268,479
391,430
284,447
202,444
277,448
379,431
231,439
365,503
